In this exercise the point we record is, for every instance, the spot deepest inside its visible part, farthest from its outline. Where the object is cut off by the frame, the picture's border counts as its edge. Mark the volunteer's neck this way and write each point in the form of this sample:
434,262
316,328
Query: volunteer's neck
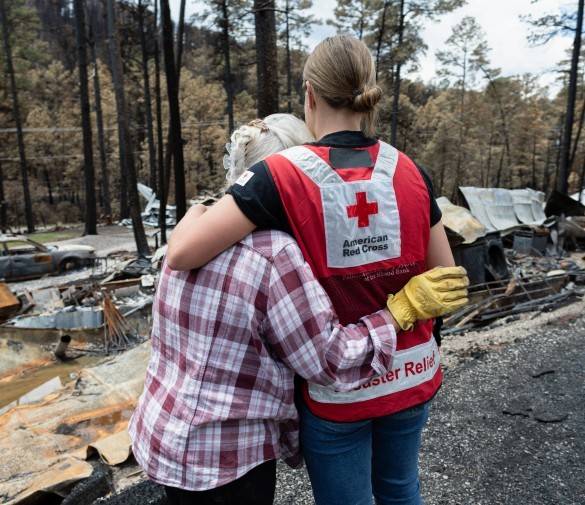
336,120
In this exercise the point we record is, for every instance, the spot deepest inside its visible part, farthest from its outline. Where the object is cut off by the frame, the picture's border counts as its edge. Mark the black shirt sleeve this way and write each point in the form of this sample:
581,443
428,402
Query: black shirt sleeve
436,213
259,200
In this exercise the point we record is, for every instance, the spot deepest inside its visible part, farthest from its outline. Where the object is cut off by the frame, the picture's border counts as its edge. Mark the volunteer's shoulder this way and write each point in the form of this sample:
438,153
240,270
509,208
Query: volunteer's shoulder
256,195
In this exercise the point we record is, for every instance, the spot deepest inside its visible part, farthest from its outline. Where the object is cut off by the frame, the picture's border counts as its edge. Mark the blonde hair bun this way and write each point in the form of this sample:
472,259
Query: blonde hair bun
367,100
341,70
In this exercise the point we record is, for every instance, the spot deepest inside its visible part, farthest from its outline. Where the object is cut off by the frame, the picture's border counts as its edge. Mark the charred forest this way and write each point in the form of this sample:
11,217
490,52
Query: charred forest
97,95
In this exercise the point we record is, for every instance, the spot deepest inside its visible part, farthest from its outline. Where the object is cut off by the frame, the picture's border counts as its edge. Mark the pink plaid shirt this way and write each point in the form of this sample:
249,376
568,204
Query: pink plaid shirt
227,340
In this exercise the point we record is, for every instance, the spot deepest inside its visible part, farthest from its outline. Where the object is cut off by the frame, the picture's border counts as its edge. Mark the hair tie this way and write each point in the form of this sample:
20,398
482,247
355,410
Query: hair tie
357,92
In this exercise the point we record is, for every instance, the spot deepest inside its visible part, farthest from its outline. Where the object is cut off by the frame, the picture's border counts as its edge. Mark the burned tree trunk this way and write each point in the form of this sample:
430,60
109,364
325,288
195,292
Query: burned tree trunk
105,179
3,209
88,169
288,62
49,186
266,57
227,68
180,39
147,98
176,141
124,139
565,161
28,213
124,132
397,82
162,193
380,38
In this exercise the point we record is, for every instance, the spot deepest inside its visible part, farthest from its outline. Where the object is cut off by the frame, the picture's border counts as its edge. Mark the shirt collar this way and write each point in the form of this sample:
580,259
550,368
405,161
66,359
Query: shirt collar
345,138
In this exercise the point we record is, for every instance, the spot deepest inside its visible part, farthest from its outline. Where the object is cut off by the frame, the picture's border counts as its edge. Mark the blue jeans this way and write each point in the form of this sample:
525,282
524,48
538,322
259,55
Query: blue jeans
350,462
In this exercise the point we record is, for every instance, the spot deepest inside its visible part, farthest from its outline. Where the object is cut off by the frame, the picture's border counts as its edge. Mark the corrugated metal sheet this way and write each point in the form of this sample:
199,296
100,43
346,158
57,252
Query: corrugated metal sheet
67,319
500,209
529,206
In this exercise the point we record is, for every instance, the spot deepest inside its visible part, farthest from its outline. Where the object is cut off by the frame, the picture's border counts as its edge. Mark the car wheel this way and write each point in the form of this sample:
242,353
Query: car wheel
69,264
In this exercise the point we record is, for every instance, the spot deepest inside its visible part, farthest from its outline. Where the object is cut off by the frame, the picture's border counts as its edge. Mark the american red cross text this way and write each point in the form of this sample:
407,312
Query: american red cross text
362,209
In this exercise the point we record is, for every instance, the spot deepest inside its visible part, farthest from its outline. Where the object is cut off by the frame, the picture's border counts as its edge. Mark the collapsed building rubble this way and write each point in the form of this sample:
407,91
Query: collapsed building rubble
67,423
67,411
513,245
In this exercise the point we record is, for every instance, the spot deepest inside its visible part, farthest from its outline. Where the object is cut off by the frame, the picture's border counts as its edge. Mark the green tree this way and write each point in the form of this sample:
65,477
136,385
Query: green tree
355,17
465,47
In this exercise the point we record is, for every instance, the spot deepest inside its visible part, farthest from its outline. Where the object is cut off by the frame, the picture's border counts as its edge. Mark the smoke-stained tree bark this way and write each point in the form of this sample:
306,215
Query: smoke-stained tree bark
396,80
180,39
162,191
565,161
30,226
224,23
266,57
380,36
99,119
88,168
3,206
124,131
147,97
228,84
176,141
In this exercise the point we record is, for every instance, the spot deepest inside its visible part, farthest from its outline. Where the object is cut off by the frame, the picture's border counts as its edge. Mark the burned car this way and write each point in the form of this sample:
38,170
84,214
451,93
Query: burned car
22,258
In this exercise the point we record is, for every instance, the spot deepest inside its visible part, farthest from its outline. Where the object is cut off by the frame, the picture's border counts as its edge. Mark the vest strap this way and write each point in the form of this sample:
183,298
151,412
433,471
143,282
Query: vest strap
314,167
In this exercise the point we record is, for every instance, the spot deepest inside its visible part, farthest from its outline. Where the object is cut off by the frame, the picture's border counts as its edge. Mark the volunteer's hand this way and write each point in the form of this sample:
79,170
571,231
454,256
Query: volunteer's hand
434,293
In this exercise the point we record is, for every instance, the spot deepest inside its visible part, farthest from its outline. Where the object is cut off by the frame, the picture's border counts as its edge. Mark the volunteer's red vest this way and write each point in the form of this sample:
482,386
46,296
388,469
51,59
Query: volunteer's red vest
364,231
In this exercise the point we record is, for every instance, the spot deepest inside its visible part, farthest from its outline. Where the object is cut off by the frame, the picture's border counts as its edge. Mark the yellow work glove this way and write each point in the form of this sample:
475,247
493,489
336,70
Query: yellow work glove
434,293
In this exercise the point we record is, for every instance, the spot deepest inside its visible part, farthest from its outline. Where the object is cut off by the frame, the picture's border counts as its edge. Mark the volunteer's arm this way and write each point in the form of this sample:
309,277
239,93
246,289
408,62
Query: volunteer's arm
304,331
439,252
198,238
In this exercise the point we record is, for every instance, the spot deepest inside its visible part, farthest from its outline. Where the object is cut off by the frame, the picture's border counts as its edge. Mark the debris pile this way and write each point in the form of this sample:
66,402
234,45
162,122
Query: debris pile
150,214
107,311
515,250
69,422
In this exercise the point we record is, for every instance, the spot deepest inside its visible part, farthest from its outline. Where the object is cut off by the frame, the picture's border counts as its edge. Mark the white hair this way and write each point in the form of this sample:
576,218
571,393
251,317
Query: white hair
258,139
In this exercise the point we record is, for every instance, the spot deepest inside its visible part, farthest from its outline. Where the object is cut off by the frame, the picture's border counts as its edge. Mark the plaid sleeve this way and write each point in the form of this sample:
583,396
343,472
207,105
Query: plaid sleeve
303,329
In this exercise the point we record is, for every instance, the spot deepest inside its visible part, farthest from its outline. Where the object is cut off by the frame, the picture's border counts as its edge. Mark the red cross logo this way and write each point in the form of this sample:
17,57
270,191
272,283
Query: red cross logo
362,209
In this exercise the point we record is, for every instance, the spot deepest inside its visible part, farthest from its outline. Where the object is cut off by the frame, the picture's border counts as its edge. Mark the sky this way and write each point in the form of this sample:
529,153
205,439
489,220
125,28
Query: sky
505,33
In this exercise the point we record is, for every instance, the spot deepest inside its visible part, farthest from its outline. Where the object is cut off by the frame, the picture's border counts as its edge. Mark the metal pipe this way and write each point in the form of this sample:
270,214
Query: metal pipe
61,351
